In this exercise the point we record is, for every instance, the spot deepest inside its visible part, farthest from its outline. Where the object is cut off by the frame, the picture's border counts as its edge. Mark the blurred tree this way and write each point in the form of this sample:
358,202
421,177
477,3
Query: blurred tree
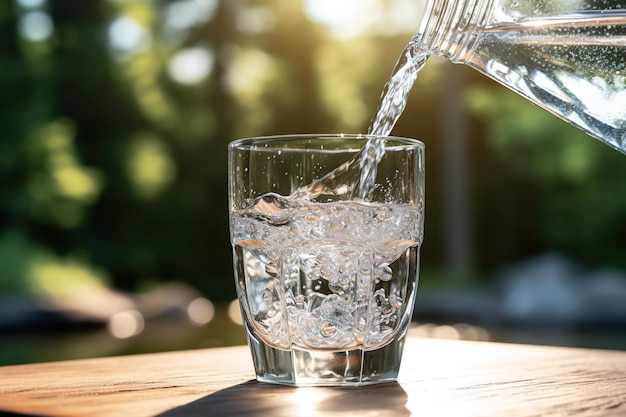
116,115
566,189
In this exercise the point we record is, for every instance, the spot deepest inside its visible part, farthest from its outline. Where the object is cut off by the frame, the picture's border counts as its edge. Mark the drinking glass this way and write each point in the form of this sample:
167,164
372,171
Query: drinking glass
326,274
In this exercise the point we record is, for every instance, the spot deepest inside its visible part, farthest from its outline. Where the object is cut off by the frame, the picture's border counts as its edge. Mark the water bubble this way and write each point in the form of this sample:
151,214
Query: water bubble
323,258
385,273
326,272
386,308
271,270
268,296
361,323
318,340
300,301
395,301
337,289
344,279
327,329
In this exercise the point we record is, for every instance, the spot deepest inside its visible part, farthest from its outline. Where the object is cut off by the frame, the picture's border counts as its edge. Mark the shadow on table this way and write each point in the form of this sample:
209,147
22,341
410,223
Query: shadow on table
257,399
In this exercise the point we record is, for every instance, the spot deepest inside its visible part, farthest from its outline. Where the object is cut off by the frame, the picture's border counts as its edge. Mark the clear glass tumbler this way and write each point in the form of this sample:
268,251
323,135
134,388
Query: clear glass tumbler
326,280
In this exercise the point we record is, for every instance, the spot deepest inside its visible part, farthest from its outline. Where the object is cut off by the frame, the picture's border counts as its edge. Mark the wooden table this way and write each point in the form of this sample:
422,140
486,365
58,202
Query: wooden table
438,378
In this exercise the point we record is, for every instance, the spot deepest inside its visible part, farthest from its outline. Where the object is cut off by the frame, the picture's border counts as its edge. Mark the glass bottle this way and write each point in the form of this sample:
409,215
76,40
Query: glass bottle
567,56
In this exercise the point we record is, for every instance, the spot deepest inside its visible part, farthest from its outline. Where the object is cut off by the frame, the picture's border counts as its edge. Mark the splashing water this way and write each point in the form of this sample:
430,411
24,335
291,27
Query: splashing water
356,178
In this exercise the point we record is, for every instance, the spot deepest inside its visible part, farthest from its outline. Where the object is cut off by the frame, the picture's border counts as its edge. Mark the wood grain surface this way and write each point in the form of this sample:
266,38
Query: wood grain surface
438,378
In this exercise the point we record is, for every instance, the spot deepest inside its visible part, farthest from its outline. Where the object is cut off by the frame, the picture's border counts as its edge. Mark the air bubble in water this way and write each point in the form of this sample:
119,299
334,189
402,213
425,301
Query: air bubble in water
327,329
385,273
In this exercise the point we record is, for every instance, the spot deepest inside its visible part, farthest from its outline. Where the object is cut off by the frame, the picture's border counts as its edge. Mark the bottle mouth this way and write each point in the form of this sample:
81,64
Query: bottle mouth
448,26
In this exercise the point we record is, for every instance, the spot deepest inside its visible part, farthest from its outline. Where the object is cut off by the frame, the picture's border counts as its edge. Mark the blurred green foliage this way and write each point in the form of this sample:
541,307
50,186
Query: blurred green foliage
116,114
115,119
578,185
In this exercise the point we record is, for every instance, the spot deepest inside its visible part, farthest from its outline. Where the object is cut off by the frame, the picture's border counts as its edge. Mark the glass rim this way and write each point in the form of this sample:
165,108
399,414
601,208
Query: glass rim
247,143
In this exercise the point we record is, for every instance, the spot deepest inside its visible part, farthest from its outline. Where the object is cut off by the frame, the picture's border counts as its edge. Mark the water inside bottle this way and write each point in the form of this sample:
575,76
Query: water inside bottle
573,66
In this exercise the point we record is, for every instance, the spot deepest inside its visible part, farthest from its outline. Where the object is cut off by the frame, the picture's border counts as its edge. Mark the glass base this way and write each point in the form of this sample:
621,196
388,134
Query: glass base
326,367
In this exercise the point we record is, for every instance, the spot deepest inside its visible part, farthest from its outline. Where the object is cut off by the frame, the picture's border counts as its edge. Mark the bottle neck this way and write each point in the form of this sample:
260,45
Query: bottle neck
450,27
